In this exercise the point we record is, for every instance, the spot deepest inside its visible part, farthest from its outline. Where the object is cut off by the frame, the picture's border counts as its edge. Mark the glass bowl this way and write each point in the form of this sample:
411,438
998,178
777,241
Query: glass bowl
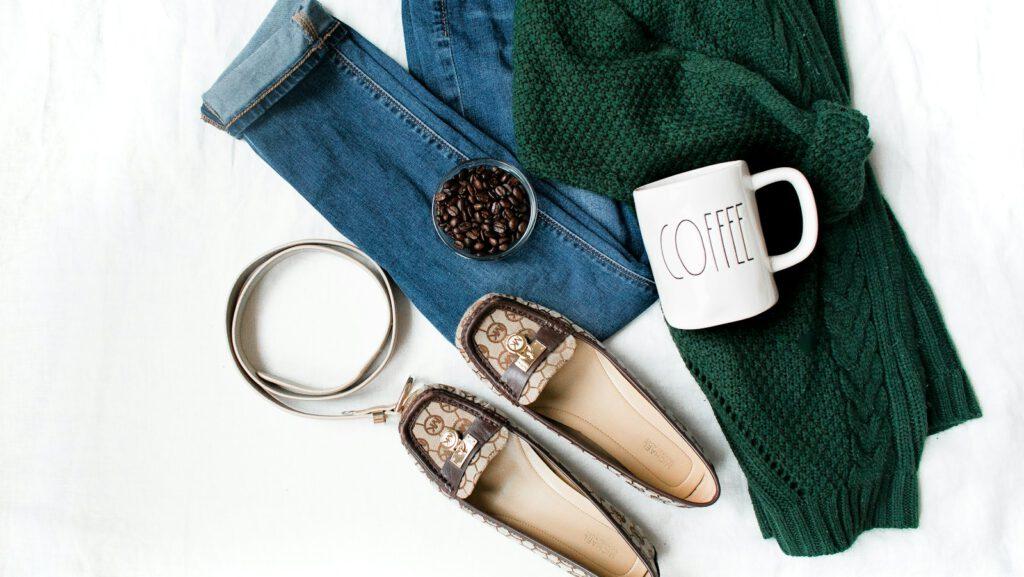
531,199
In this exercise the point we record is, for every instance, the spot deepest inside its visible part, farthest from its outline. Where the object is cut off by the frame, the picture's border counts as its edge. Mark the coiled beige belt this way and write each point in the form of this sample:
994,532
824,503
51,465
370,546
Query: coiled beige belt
279,390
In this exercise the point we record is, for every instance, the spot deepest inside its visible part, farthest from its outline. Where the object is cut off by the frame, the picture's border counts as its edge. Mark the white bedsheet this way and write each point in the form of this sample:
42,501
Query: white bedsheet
129,445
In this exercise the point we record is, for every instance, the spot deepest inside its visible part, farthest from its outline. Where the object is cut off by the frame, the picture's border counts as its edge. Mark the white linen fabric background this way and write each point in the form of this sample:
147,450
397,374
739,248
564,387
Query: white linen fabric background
129,445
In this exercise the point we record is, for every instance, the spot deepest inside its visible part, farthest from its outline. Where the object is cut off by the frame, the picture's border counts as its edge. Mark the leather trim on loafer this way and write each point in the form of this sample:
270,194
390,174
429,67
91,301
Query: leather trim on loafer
521,379
453,438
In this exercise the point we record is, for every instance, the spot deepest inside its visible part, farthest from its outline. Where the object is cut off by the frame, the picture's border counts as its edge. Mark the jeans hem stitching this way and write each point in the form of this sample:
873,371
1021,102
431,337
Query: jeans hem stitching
212,122
303,20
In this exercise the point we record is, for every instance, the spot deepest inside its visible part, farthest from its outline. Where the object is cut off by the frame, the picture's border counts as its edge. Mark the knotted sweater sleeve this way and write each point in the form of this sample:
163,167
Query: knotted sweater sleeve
646,109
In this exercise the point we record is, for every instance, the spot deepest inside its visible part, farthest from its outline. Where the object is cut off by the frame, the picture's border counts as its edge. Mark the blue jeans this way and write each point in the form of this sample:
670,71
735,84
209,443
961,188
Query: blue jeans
367,143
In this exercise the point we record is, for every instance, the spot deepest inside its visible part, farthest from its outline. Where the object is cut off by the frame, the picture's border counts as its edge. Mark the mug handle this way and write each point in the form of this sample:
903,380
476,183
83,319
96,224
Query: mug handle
808,212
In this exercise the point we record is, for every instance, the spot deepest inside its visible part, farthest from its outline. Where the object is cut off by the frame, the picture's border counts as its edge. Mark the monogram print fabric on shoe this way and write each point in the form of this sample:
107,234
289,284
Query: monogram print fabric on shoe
491,338
433,430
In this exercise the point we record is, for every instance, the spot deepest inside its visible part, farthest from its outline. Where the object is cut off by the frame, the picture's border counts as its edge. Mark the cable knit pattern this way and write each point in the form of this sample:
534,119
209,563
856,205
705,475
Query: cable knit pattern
827,398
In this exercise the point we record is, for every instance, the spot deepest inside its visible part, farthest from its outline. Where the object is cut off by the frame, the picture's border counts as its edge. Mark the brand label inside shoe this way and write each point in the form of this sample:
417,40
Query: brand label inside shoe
659,454
599,545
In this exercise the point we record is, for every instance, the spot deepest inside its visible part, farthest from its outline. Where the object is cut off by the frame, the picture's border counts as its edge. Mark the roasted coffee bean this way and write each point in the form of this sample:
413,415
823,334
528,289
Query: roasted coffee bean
484,210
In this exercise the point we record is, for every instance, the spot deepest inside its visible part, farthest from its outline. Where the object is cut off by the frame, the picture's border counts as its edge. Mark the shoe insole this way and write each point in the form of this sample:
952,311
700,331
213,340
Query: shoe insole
520,489
601,408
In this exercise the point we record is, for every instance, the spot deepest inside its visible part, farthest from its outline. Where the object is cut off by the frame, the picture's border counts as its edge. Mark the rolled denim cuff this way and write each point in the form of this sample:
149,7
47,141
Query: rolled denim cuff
288,44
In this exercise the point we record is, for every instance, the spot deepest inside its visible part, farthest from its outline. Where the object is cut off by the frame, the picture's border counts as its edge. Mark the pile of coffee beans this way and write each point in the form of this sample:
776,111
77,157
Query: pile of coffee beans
484,210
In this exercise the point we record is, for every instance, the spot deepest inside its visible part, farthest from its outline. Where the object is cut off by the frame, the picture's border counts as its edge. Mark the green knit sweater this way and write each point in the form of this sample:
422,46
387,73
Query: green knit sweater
827,398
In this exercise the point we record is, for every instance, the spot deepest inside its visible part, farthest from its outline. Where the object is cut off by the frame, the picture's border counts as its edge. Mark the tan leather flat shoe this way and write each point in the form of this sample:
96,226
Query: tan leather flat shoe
560,375
496,472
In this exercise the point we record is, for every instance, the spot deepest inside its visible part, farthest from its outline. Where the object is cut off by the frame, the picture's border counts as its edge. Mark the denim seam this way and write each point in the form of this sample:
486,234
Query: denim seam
594,252
446,33
572,237
263,95
303,20
380,91
211,122
443,9
215,122
220,121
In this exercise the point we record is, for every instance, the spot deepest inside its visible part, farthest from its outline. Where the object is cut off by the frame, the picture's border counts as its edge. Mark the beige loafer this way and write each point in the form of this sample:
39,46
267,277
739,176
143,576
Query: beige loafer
562,376
497,473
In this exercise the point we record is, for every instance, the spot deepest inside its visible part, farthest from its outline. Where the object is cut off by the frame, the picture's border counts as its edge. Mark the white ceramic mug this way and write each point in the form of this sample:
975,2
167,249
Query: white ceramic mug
703,237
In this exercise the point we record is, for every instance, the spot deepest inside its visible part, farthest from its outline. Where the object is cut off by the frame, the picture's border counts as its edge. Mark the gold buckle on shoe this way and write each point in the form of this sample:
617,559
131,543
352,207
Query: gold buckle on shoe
526,352
460,446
